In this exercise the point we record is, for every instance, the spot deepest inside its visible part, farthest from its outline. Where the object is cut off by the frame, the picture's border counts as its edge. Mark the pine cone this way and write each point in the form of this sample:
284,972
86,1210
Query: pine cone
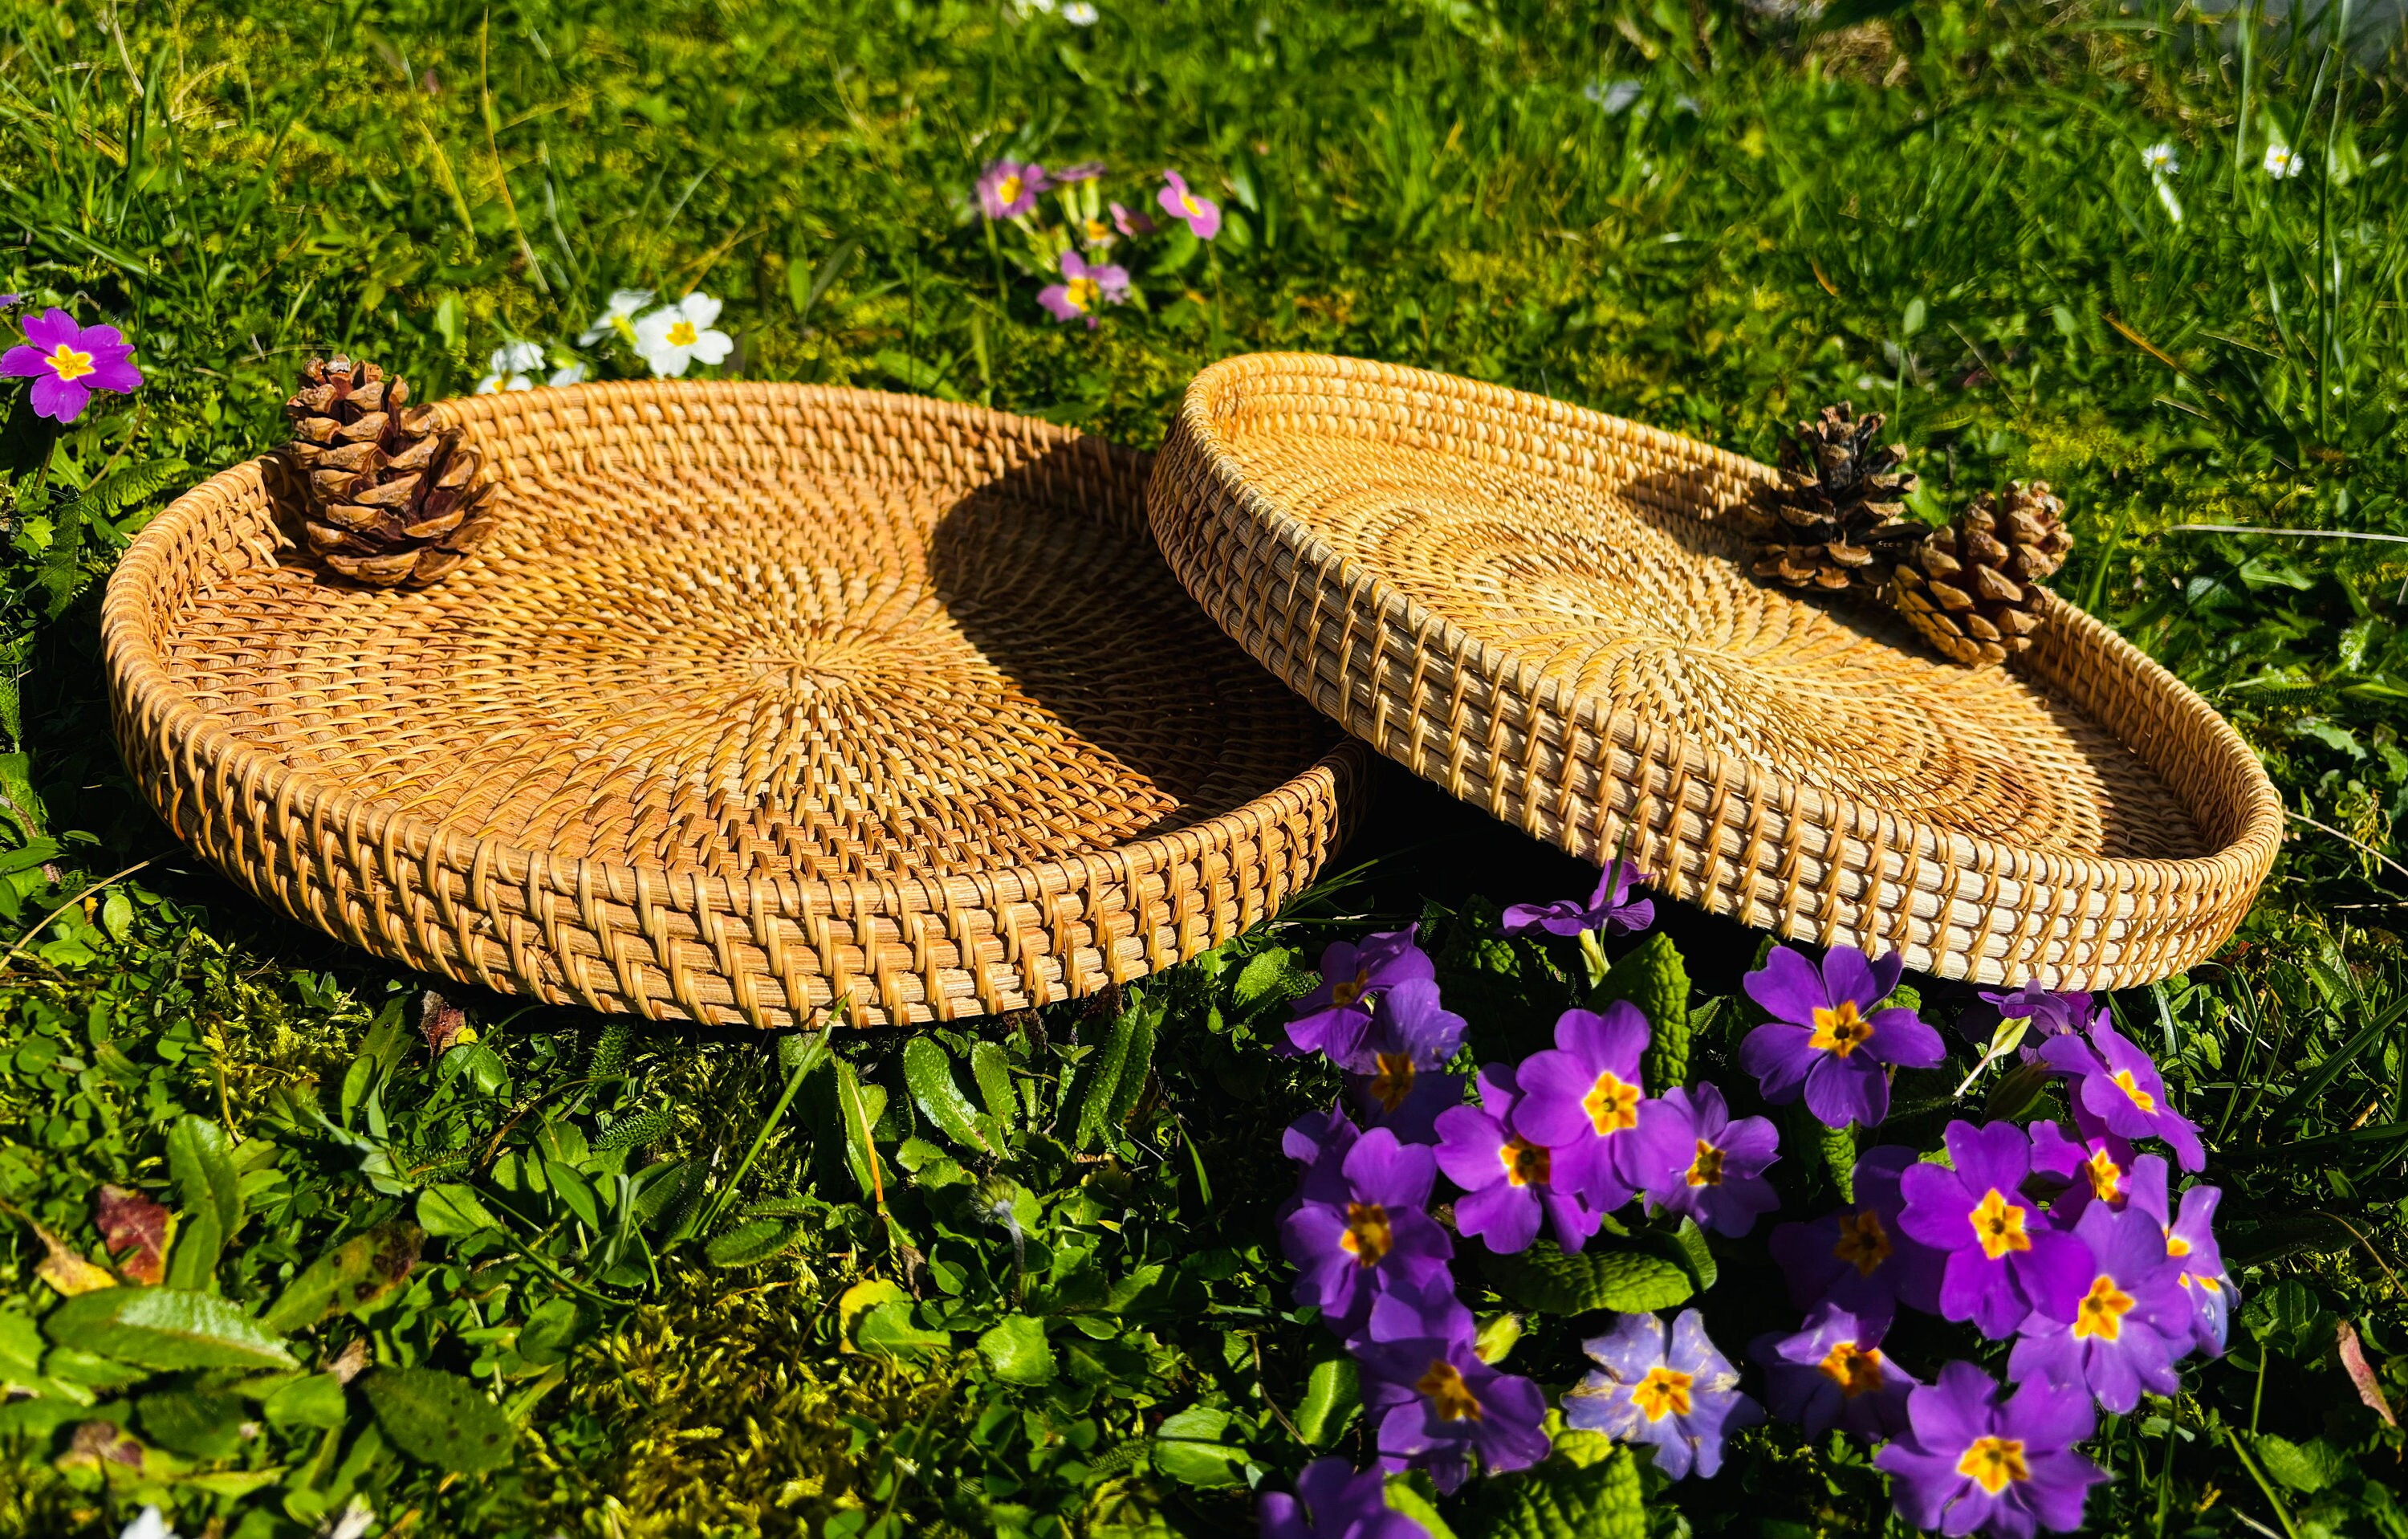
1972,590
1838,519
388,496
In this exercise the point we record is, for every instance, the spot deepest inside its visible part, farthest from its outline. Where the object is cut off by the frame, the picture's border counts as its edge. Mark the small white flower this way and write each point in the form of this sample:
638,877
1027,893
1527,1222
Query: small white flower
506,369
357,1521
1079,13
617,316
677,335
150,1523
567,374
2283,162
1612,96
2161,160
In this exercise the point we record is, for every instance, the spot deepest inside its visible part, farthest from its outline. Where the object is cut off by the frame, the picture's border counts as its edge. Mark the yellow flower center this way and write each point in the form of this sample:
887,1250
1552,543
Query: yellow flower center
1995,1464
1083,295
2102,1309
1007,191
1707,1169
1347,990
2176,1244
1367,1238
1613,1107
1999,1224
2106,1176
1394,1082
67,364
1187,201
1841,1031
681,334
1857,1370
2205,1282
1526,1164
2140,1097
1664,1391
1097,232
1864,1244
1448,1395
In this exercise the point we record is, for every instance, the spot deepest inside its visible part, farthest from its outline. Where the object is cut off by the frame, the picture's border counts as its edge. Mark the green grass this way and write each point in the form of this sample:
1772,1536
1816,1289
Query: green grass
1946,216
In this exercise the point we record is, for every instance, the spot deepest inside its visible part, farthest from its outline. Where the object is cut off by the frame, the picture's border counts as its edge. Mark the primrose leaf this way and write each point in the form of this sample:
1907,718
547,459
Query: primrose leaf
1018,1352
928,1071
1556,1281
1332,1400
439,1419
1562,1500
1277,977
164,1328
1653,977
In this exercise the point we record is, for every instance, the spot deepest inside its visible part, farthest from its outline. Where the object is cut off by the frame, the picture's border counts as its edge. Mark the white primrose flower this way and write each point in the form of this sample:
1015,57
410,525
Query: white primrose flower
675,336
2283,162
1079,13
2161,160
150,1523
506,369
618,316
567,374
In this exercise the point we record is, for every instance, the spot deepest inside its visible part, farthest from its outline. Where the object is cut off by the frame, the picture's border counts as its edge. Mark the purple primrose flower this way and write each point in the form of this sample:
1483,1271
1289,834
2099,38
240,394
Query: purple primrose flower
1319,1142
1085,286
1859,1259
1008,189
67,362
1833,1374
1610,909
2118,1088
1969,1461
1434,1402
1693,1160
1583,1100
1332,1502
1679,1398
2004,1261
2190,1240
1827,1039
2093,1169
1131,222
1203,215
2133,1322
1508,1181
1406,1099
1336,1017
1381,1232
2044,1012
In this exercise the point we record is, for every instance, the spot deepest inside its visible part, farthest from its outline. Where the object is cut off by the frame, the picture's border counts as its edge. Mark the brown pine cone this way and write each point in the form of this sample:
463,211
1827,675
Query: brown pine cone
389,494
1838,519
1974,589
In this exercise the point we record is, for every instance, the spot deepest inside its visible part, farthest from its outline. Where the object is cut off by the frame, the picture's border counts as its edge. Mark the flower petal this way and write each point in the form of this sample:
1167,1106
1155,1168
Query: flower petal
1788,987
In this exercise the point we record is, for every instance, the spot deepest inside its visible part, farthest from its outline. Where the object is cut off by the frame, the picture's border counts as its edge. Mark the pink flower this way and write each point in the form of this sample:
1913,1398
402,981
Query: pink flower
1084,287
1130,223
1007,189
1203,215
67,362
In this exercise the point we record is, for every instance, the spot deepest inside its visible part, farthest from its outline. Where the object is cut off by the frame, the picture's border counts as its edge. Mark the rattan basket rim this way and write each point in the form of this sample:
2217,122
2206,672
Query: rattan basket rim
2243,857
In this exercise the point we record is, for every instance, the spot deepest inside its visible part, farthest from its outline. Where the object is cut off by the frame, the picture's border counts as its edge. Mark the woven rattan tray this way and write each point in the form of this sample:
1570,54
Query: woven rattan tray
1538,607
760,697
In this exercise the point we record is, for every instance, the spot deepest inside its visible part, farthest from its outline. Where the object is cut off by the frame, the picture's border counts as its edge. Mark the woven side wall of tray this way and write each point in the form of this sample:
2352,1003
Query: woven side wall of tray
761,697
1538,607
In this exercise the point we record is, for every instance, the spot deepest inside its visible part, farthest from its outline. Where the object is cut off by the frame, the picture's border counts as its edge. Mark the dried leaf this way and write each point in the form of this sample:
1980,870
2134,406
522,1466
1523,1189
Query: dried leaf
136,1230
443,1024
68,1271
2353,1359
350,1363
101,1441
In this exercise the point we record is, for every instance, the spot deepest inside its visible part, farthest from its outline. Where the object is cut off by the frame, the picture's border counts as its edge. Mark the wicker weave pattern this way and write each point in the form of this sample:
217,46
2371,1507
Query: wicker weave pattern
1539,608
762,695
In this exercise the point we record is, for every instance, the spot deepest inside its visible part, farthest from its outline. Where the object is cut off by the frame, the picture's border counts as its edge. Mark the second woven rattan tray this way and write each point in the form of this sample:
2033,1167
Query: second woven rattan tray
1538,607
761,697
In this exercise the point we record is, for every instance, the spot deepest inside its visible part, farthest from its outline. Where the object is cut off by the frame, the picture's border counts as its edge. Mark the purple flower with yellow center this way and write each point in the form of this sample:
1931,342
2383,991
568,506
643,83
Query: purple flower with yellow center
2190,1241
1406,1099
1508,1181
1858,1260
2004,1260
2118,1088
1691,1159
1610,909
1131,222
1202,215
1335,1018
2093,1169
1085,287
1826,1039
2132,1325
1008,189
67,362
1435,1403
1680,1397
1834,1373
1971,1460
1376,1234
1583,1099
2004,1019
1332,1502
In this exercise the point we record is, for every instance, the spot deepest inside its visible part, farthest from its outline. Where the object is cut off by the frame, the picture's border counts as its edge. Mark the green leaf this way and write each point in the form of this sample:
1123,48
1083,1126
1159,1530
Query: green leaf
314,1400
202,1163
2309,1466
992,1068
1188,1448
164,1328
1686,1245
1404,1496
1561,1500
887,1330
1838,1148
438,1419
1555,1282
858,1107
928,1071
753,1242
611,1048
1276,977
453,1209
1091,1093
1653,977
1017,1352
555,1328
634,1132
1136,1064
192,1421
1332,1400
350,1279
